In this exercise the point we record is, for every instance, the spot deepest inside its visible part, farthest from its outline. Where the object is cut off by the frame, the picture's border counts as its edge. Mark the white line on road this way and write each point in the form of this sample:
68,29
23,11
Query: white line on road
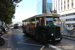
31,44
20,30
17,49
54,47
23,40
9,49
5,34
42,48
4,38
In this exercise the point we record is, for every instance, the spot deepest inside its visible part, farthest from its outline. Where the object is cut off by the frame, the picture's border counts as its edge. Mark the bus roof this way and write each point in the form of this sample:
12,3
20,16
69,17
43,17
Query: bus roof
44,15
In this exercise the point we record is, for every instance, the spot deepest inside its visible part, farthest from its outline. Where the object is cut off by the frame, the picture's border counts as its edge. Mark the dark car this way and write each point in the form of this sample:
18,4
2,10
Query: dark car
15,26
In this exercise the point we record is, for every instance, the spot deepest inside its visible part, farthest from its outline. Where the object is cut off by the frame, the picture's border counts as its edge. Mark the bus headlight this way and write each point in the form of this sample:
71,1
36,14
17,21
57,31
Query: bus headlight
52,34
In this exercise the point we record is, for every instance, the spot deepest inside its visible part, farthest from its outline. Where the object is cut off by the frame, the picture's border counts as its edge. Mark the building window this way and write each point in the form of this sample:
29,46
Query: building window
64,5
72,3
68,4
61,5
58,5
68,1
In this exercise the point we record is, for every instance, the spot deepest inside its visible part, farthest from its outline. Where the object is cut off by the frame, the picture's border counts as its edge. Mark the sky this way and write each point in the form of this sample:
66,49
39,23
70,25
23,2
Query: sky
26,9
50,1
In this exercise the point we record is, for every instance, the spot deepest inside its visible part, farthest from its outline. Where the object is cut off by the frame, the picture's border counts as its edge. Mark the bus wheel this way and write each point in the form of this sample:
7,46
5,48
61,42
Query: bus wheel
42,38
26,34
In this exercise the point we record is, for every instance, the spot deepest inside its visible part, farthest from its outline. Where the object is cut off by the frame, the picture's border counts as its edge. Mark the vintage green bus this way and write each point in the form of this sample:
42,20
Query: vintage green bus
43,27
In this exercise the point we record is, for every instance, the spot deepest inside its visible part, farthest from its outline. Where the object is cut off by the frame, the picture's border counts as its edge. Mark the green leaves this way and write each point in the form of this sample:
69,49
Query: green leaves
7,10
17,1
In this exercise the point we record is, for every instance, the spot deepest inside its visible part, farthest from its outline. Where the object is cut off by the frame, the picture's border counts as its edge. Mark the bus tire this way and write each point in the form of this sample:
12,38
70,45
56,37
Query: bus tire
26,34
42,38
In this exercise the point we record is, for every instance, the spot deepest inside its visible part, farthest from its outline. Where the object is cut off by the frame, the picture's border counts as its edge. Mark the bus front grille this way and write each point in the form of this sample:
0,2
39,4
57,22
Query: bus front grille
57,31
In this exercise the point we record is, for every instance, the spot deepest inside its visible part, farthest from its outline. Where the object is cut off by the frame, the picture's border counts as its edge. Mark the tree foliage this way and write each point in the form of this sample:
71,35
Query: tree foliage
17,1
7,10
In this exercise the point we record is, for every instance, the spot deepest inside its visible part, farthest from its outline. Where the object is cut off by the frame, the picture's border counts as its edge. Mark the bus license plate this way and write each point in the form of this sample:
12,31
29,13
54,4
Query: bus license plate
57,39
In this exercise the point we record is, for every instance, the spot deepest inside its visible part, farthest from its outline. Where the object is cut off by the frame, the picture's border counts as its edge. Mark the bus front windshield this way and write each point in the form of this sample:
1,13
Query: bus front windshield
52,20
56,21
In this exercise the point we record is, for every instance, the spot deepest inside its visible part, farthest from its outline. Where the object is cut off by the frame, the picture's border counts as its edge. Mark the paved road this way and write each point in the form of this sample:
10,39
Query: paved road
65,44
21,42
16,40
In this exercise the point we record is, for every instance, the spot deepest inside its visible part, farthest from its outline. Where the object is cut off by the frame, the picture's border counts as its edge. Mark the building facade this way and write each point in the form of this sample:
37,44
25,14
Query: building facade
44,6
66,8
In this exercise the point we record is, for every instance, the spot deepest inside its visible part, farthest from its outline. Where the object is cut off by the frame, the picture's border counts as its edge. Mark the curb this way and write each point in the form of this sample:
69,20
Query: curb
69,38
9,46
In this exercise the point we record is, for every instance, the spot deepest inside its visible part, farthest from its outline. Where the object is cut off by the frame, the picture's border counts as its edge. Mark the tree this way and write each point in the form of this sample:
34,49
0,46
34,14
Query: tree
7,10
17,1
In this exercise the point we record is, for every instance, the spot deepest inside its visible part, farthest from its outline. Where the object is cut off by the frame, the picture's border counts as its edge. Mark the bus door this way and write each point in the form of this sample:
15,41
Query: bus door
27,29
31,30
27,26
31,27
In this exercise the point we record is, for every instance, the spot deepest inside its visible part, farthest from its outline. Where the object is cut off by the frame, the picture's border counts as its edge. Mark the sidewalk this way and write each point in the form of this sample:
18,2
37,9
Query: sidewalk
69,37
7,38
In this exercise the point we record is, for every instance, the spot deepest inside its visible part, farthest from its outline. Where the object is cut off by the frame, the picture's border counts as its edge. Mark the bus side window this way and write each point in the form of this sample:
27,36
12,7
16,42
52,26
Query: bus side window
48,22
37,24
32,24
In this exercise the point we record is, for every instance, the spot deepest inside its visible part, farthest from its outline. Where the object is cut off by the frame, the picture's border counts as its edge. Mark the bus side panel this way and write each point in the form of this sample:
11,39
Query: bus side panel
27,30
37,29
24,29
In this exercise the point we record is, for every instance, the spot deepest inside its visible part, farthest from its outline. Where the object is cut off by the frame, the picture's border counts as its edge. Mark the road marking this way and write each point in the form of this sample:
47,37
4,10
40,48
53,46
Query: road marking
9,49
5,34
31,44
42,48
17,49
20,30
23,40
28,43
54,47
4,38
24,37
